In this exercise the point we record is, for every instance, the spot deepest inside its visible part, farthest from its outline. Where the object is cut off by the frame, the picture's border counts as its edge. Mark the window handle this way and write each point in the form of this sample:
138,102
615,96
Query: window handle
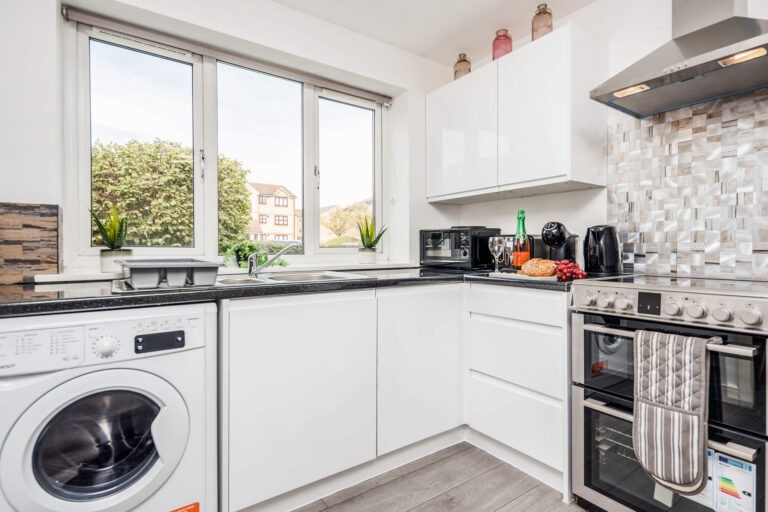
202,163
317,176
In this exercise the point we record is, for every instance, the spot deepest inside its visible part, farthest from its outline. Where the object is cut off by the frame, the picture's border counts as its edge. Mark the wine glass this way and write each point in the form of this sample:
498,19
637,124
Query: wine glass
496,245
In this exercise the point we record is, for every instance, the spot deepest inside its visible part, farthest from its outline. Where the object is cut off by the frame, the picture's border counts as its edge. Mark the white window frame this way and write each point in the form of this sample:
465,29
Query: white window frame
78,253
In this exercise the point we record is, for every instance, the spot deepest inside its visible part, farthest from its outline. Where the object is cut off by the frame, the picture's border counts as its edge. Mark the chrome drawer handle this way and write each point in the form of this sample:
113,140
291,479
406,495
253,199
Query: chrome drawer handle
732,449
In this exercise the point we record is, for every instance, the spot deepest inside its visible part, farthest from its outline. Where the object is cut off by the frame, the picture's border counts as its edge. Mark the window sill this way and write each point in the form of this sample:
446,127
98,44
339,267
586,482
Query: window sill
83,275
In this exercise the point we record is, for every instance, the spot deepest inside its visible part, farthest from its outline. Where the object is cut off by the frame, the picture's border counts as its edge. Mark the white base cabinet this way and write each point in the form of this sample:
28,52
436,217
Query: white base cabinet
419,382
312,385
517,374
298,391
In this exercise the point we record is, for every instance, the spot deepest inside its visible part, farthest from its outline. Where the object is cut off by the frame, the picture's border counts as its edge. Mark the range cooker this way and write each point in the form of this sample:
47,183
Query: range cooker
605,314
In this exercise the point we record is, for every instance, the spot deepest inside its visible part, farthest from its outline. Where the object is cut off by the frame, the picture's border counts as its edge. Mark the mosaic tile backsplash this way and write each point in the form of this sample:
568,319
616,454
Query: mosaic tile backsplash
688,189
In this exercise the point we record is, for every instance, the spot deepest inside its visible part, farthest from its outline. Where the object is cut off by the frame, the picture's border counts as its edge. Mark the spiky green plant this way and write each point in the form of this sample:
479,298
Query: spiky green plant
113,229
368,236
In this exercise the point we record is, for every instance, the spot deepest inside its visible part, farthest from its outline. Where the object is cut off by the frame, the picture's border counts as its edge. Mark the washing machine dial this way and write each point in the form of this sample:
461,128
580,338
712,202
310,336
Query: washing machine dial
106,346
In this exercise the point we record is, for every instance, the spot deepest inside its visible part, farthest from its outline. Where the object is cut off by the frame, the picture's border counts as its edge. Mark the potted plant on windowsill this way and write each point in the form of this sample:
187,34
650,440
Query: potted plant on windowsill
112,231
369,238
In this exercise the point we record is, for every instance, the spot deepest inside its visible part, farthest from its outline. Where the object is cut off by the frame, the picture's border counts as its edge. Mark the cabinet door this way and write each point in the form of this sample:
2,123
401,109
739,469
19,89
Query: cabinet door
535,110
461,134
301,391
420,331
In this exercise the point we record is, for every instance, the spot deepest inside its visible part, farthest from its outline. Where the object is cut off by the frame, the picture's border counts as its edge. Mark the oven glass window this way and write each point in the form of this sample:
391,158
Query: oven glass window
609,362
613,470
96,446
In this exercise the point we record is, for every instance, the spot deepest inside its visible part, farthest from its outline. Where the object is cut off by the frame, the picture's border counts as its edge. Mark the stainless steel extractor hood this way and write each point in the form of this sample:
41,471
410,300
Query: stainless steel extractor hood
719,48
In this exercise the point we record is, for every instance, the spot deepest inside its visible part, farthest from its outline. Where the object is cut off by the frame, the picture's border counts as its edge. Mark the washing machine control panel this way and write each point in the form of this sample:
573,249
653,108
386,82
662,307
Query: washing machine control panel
58,348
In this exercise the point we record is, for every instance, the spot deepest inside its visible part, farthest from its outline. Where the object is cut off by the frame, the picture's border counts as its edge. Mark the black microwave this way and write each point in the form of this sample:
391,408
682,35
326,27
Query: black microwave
460,247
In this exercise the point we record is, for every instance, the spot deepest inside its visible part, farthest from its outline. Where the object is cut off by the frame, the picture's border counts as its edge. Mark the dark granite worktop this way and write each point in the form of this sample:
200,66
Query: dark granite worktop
37,299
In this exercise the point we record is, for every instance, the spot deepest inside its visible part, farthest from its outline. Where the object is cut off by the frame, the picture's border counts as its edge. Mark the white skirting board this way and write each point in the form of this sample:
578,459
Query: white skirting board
327,486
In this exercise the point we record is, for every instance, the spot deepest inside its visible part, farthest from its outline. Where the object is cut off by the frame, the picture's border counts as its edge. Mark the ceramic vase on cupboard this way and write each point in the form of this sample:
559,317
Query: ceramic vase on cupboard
542,22
502,45
462,67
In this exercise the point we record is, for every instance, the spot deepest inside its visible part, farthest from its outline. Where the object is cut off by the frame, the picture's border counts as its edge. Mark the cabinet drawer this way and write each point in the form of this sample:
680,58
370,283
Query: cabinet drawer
537,306
530,424
526,354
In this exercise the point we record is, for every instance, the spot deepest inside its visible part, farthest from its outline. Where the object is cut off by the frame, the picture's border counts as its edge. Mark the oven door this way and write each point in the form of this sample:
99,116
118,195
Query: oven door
603,359
606,472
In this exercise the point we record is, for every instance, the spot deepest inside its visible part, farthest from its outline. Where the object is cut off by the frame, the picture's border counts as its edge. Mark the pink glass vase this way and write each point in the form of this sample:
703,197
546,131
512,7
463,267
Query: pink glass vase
502,45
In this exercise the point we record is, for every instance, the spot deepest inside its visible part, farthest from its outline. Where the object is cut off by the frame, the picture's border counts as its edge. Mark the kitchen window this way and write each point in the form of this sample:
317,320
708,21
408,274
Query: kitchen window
190,144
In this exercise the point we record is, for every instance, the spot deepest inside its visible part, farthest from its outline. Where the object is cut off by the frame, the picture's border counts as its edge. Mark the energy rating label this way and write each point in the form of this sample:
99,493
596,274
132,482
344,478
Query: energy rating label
736,483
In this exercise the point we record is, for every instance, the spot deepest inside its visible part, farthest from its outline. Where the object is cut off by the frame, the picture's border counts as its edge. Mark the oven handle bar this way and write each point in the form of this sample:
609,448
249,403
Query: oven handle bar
732,449
736,350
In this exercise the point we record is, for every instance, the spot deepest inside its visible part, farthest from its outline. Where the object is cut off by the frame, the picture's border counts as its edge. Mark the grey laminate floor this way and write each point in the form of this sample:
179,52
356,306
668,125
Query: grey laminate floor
461,478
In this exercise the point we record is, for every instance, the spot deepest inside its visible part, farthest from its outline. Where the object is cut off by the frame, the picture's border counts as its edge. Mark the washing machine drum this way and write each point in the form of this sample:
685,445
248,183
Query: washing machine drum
103,441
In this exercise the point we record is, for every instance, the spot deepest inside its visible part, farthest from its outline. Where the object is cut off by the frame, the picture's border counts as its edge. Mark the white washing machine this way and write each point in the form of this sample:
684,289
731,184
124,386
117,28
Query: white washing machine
109,411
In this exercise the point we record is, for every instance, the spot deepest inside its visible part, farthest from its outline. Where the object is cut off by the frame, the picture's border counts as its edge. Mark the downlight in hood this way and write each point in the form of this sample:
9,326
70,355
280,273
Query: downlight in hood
720,48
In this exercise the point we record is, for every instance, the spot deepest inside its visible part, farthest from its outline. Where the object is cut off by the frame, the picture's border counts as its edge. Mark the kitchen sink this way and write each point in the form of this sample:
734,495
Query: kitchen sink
288,277
239,281
307,277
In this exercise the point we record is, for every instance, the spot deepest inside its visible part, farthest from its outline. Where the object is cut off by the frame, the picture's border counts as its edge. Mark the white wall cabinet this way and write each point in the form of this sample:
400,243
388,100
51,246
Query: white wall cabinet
419,349
298,391
548,132
518,373
461,141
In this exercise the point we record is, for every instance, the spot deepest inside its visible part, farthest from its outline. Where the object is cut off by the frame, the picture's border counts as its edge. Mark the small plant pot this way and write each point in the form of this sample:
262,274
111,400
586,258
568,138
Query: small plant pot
366,256
108,257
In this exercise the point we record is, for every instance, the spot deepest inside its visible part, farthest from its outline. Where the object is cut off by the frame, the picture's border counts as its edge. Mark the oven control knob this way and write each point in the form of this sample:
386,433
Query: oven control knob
672,309
106,346
622,303
696,311
751,317
722,314
588,300
605,302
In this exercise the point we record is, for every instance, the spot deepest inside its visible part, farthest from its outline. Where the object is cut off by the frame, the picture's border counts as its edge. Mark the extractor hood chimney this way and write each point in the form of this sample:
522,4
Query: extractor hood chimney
719,48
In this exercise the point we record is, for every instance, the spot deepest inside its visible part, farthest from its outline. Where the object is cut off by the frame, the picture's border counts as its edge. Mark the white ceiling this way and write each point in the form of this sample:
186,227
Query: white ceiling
435,29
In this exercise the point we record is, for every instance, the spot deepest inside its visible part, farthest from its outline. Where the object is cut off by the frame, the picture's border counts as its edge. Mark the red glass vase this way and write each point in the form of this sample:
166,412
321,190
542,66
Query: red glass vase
502,45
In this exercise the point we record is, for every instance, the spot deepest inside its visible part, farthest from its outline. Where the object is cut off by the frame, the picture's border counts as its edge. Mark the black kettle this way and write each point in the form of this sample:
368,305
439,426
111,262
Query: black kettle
602,252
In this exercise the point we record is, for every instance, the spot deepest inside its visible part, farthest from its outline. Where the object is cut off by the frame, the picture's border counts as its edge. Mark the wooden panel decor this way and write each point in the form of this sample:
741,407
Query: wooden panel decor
29,241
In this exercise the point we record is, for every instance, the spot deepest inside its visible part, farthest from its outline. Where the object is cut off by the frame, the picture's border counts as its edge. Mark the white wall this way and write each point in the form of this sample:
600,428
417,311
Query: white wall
630,30
30,102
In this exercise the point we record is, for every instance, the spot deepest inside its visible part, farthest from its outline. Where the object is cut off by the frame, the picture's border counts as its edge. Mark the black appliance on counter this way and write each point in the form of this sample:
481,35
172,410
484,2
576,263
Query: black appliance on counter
602,252
460,247
606,313
561,244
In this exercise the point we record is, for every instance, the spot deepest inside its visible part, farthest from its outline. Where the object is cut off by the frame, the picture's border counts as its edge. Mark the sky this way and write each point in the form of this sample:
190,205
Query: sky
139,96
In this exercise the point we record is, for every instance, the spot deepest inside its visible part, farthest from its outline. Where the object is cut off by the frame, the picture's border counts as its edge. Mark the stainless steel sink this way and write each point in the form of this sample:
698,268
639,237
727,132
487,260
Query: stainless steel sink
288,277
308,277
239,281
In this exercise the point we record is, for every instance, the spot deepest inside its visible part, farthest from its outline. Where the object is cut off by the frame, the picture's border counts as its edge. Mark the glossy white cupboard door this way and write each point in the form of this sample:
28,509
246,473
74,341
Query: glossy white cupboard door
461,134
420,331
535,110
302,391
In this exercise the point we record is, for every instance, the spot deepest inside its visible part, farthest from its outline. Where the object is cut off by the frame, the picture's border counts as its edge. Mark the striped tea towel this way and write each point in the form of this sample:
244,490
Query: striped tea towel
671,408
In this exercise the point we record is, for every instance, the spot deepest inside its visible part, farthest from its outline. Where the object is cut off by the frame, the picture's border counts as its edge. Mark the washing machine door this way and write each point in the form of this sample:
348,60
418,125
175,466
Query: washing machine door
105,441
